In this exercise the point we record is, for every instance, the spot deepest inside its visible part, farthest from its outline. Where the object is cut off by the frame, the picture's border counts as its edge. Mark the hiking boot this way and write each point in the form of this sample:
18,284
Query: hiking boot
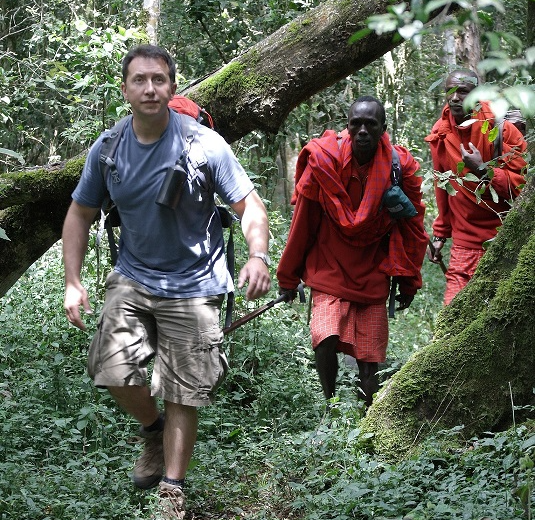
172,501
148,470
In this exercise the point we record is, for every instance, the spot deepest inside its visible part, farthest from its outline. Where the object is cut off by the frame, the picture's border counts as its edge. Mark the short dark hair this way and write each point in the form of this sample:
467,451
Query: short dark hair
371,99
149,51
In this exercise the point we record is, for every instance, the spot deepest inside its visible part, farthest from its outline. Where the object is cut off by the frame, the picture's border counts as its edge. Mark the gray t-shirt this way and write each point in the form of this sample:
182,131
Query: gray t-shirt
173,253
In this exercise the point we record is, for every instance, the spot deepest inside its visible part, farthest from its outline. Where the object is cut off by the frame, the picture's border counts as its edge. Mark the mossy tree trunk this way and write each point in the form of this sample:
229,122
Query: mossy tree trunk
482,358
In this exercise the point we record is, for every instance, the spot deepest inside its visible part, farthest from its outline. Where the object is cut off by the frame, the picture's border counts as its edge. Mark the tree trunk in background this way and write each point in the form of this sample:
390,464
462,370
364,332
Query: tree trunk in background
531,43
152,7
481,359
468,47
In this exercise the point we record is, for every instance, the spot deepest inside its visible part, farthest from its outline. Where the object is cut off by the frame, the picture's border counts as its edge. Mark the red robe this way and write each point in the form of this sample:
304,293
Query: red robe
341,241
460,216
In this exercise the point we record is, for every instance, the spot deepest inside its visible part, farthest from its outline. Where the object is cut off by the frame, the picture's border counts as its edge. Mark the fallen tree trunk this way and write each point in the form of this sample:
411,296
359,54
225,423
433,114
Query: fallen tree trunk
481,360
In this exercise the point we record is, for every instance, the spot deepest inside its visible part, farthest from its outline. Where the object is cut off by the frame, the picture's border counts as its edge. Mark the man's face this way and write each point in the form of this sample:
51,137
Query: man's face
148,87
457,87
365,127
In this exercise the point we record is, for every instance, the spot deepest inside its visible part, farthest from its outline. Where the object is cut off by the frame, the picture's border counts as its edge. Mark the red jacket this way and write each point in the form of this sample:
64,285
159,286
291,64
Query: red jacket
461,217
349,246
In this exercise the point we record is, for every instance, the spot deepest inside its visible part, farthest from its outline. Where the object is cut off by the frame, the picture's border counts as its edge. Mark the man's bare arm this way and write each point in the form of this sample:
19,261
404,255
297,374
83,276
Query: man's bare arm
75,238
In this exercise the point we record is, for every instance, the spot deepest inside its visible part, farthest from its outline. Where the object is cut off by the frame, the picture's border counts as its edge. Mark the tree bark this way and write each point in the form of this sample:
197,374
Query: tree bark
481,360
258,89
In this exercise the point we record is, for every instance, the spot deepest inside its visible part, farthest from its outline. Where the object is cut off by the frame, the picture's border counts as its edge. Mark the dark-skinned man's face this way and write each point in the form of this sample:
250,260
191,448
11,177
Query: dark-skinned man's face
365,126
458,86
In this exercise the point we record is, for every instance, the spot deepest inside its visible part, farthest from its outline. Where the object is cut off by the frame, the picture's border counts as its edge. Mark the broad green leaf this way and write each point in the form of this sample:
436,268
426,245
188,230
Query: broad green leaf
80,25
485,127
450,189
499,107
487,92
460,166
11,153
495,4
410,30
493,194
523,98
436,4
471,177
493,39
528,443
493,134
359,35
435,84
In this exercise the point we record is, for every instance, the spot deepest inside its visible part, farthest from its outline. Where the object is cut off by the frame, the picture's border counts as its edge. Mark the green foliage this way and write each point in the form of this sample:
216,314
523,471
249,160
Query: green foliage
62,73
505,58
268,447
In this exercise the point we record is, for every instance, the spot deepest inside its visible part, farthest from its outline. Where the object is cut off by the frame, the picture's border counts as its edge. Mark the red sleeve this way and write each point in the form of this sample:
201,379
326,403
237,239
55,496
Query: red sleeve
303,231
510,173
442,224
412,229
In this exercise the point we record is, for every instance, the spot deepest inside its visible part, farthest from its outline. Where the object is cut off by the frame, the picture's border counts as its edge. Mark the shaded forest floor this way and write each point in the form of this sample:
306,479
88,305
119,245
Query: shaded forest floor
266,448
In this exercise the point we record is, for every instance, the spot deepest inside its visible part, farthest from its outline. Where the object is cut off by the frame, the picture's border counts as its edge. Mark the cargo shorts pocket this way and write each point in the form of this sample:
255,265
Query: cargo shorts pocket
214,359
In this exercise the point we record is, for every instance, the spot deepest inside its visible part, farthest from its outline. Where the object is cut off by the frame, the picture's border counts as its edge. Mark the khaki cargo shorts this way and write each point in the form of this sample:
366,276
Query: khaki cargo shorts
183,336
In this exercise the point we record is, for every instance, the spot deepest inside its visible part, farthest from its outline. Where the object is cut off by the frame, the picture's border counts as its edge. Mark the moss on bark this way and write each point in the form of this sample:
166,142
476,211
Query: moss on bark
482,357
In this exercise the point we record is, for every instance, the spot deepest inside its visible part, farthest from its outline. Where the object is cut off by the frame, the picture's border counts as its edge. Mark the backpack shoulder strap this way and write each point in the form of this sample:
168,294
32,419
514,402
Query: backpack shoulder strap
109,212
396,174
197,160
110,142
190,136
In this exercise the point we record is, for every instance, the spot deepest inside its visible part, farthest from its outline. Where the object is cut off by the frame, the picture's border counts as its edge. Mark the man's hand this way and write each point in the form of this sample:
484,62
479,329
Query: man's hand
404,301
472,159
75,296
290,294
257,274
435,255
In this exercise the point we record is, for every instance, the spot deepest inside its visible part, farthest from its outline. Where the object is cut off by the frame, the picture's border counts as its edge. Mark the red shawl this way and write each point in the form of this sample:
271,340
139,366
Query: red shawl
322,174
448,146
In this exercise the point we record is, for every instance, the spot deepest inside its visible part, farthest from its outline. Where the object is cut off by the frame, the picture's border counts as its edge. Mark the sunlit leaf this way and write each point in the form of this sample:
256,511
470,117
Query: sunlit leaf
471,177
483,92
499,107
3,234
359,35
496,4
468,122
450,189
409,30
80,25
11,153
523,98
493,194
530,55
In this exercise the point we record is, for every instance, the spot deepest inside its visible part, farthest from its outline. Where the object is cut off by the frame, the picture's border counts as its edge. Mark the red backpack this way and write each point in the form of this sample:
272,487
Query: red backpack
184,105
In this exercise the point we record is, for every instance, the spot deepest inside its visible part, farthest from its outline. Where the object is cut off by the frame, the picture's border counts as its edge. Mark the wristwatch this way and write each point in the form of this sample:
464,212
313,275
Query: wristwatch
439,239
263,256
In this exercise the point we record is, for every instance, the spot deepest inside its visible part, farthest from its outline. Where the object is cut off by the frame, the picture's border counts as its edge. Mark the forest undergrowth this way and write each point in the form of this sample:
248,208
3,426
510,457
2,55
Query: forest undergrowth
267,449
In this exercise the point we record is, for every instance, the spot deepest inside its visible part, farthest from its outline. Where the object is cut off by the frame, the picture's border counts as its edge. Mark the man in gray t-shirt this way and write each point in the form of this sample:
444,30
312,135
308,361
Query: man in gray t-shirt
164,296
